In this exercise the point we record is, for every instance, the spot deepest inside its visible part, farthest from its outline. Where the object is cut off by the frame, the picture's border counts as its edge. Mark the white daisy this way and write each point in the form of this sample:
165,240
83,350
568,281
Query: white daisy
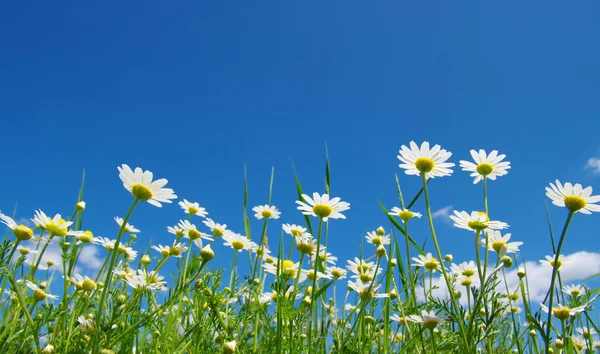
287,269
128,227
217,229
266,211
323,207
467,269
586,332
574,290
177,249
377,240
192,208
39,294
106,243
427,319
359,266
142,280
366,291
324,256
426,261
165,251
306,244
176,230
563,312
489,166
190,231
579,342
496,242
56,226
293,229
141,186
337,273
238,242
310,274
431,162
549,261
404,214
21,231
476,221
573,197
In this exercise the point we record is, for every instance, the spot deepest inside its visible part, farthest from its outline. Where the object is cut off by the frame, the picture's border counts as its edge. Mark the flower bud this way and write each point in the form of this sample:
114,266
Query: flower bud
533,333
507,261
132,236
393,294
393,262
206,253
80,206
559,343
145,260
229,347
380,231
521,272
380,252
448,258
49,349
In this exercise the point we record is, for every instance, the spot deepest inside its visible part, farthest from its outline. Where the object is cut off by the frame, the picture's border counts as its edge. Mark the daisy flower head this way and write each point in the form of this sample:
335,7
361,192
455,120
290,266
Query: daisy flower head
190,231
141,186
287,269
427,319
218,230
467,269
476,221
486,166
425,161
563,312
107,243
266,211
38,293
128,252
366,291
192,208
337,273
128,227
324,256
176,230
496,242
359,266
549,261
293,229
238,242
165,251
21,232
377,240
306,244
56,226
428,262
404,214
586,332
574,290
323,207
573,197
82,236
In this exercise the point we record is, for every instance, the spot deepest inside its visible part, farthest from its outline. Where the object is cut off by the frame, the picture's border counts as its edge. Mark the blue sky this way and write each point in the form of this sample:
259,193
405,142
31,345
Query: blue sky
194,91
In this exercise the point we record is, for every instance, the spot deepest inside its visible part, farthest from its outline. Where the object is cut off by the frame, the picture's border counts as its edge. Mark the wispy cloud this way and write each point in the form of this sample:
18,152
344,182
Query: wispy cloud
593,164
575,267
442,213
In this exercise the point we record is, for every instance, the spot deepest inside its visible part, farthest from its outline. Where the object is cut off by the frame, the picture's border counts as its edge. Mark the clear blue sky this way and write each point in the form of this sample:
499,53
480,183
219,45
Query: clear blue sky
194,90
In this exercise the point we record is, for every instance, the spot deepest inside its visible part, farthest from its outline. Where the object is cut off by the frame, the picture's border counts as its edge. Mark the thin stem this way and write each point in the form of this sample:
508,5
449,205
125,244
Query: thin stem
314,286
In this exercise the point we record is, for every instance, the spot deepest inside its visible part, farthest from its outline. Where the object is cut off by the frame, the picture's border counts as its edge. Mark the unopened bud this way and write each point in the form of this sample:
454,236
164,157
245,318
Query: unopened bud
80,206
393,262
559,344
521,272
206,253
380,231
380,252
145,260
507,261
448,258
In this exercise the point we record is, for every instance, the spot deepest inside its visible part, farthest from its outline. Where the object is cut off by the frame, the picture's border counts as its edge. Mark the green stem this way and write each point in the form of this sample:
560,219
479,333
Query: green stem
26,312
314,286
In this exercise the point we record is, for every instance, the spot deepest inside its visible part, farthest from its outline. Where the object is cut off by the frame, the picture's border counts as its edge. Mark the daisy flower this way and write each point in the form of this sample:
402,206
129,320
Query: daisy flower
82,236
404,214
465,280
293,229
129,253
366,291
367,275
177,250
192,208
476,221
574,290
579,342
287,269
143,280
141,186
430,162
310,274
323,207
106,243
573,197
39,294
128,227
165,251
496,242
266,211
549,261
176,230
238,242
586,332
324,256
563,312
467,269
190,231
377,240
337,273
486,166
306,244
428,262
427,319
21,231
56,226
217,229
359,266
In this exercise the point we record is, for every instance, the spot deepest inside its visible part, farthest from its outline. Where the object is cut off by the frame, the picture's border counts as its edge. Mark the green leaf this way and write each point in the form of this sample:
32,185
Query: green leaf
299,190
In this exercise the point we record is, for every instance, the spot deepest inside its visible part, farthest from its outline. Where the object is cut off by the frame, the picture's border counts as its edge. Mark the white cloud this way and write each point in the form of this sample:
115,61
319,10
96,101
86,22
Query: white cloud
593,163
575,267
442,213
89,258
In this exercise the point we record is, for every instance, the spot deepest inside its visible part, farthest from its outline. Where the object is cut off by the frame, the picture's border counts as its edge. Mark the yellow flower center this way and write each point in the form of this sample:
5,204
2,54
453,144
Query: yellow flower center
575,292
141,192
55,229
377,240
514,309
23,233
165,252
336,273
580,346
175,251
237,245
23,250
466,282
562,313
287,268
497,246
39,295
305,248
514,296
363,267
217,232
558,264
322,210
365,294
366,277
89,285
468,272
86,237
430,323
424,164
269,260
574,203
431,264
405,215
295,232
192,210
484,169
266,213
311,274
194,234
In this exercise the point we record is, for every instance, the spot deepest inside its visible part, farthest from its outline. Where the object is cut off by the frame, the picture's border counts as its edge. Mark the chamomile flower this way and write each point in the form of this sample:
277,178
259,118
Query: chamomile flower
366,291
428,320
190,231
217,229
83,236
128,227
426,261
486,166
141,186
430,162
177,249
192,208
476,221
377,240
165,251
306,244
56,226
287,269
496,242
128,252
563,312
337,273
266,211
324,256
176,230
293,229
359,266
586,332
143,280
20,231
467,269
106,243
573,197
238,242
579,342
404,214
39,294
574,290
310,274
323,207
549,261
